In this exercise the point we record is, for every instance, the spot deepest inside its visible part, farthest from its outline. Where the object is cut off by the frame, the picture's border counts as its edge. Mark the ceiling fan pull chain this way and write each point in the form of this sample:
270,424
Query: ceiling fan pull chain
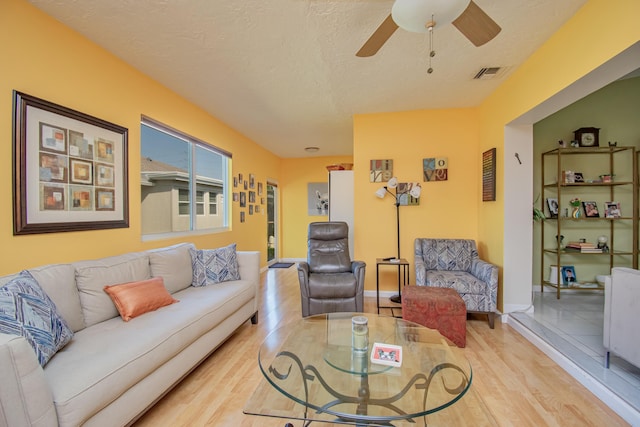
432,52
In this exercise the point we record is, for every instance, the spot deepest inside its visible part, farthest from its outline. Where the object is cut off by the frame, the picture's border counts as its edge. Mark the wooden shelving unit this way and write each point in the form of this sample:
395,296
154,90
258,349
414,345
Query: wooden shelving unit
621,160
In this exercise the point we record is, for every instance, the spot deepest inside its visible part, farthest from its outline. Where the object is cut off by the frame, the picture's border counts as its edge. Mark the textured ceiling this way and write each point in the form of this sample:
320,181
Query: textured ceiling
284,72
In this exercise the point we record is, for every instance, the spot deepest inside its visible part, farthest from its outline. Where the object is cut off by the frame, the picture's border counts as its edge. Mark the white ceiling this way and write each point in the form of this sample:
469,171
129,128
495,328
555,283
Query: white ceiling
284,72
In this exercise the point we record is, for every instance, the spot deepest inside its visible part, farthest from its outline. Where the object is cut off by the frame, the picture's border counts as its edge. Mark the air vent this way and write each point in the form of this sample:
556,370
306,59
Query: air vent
489,73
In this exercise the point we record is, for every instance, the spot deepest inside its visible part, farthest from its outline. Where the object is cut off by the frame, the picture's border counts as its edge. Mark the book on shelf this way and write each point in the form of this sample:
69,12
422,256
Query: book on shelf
579,245
584,250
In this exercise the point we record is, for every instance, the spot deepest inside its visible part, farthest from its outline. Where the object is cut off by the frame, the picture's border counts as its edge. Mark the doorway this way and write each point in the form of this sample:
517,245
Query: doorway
272,221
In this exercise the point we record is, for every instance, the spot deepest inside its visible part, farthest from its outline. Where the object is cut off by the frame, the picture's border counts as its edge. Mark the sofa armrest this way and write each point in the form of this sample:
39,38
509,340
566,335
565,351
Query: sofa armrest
249,266
25,397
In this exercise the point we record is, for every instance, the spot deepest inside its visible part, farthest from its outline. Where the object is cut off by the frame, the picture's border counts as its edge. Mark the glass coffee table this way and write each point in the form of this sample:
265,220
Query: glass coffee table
312,373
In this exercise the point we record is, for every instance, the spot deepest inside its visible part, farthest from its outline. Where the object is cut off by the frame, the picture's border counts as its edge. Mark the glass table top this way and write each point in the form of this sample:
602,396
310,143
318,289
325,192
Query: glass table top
312,373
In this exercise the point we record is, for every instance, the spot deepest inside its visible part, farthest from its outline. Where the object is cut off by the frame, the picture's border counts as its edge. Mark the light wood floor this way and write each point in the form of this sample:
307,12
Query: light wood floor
519,384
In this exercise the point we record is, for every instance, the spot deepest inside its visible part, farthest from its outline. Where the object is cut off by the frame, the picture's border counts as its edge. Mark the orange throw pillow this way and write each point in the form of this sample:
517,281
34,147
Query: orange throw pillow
135,298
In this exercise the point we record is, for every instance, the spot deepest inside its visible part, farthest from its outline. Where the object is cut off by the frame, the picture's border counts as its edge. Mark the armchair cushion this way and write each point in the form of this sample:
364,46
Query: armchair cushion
329,248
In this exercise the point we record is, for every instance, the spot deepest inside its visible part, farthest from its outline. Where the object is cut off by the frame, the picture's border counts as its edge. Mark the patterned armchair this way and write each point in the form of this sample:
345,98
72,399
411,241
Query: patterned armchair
454,263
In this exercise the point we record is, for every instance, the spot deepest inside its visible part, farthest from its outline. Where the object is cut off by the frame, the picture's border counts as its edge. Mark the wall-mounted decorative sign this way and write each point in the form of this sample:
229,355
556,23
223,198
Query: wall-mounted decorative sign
318,198
380,170
70,169
489,175
403,193
435,169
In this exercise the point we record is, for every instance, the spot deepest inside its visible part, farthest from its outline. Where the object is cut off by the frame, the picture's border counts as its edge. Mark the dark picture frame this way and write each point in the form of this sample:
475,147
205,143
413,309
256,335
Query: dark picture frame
590,209
552,204
70,169
489,175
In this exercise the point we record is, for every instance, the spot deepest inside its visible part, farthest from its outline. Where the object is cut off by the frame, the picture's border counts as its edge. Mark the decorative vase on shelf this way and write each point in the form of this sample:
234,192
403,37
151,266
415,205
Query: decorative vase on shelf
575,205
575,213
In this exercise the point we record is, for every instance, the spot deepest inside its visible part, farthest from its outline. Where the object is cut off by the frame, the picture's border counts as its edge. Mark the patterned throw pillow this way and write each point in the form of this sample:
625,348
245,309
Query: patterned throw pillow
214,265
26,310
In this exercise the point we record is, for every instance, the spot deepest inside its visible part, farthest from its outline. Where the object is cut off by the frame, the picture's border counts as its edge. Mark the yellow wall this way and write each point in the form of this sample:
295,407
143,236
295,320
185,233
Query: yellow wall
447,209
46,59
296,174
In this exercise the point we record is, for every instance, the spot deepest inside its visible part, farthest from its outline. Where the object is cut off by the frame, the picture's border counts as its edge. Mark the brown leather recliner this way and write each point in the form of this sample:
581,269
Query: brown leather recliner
329,281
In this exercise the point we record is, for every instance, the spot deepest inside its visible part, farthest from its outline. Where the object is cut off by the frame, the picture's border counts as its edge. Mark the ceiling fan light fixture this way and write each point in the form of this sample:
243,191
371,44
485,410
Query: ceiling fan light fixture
311,149
417,16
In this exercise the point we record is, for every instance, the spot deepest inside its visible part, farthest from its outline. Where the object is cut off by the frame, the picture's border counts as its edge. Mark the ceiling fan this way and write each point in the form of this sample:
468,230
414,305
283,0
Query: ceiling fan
421,16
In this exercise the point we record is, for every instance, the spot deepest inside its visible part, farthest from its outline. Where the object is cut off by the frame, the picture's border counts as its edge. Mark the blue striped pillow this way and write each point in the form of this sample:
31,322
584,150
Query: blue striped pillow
26,310
214,265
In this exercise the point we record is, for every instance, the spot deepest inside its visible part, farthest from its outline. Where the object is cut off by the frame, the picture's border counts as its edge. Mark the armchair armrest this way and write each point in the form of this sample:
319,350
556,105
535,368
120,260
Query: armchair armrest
358,270
25,397
421,271
487,273
303,276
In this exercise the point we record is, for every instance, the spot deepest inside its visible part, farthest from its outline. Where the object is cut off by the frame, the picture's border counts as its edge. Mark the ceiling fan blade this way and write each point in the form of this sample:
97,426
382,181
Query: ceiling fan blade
476,25
378,38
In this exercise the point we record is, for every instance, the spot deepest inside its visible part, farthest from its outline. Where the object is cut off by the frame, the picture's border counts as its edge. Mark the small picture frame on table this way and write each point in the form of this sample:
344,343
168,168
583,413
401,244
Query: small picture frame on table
591,209
612,210
569,277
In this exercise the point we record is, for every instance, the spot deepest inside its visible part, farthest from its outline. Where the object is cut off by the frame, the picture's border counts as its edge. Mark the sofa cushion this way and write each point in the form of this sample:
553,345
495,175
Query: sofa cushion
105,360
173,264
92,276
59,282
137,298
212,266
26,310
461,281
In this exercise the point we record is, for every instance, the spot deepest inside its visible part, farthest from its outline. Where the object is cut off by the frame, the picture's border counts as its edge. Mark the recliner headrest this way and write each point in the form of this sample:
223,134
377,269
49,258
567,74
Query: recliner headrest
331,230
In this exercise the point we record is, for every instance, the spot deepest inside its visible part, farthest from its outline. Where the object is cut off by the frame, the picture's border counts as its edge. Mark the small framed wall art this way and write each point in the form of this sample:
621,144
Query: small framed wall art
489,175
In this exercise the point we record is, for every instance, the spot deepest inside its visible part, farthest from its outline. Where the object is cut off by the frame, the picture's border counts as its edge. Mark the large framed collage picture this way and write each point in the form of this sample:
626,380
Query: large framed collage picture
70,169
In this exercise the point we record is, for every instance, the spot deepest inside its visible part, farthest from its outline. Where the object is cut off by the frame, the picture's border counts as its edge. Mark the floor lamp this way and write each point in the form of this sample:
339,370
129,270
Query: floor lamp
414,190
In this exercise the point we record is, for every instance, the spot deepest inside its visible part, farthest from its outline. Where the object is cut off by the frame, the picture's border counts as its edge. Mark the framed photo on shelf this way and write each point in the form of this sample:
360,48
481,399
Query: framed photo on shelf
71,169
612,210
577,177
552,204
569,277
590,209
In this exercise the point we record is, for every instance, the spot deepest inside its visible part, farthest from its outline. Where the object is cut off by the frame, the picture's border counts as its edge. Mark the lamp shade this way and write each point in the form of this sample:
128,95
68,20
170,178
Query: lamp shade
413,15
381,192
393,182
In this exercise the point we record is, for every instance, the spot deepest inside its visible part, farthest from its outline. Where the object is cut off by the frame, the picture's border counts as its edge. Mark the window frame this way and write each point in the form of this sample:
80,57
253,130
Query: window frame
193,144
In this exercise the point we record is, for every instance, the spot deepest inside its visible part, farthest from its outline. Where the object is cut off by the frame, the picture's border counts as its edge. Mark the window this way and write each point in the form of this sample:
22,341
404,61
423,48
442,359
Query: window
174,166
213,203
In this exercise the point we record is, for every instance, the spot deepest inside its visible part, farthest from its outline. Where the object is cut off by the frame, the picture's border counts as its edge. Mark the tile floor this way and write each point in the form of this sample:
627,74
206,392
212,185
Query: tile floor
572,325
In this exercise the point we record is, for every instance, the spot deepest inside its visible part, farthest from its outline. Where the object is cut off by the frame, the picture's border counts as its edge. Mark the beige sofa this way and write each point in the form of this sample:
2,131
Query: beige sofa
112,371
621,335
